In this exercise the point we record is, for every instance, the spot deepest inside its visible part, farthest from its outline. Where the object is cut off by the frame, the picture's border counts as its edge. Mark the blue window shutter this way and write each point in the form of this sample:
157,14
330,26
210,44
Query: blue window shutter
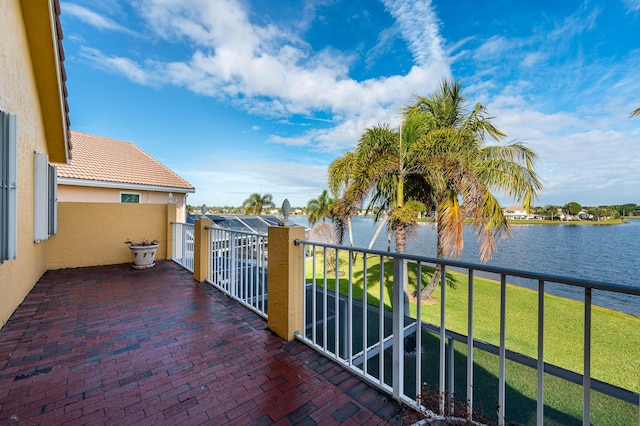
40,198
8,186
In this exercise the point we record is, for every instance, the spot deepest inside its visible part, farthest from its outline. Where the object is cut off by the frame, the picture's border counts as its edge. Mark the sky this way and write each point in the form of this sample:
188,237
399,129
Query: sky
245,96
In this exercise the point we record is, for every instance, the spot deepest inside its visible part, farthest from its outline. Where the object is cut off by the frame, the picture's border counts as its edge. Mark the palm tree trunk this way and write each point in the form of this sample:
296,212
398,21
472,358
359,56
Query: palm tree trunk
401,238
401,247
350,230
375,235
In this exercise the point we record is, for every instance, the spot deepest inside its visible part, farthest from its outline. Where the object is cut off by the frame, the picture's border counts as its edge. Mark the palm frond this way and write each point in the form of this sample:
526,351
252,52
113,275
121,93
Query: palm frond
450,226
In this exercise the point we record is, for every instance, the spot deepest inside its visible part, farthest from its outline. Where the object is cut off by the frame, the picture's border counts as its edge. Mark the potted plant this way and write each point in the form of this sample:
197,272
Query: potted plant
143,253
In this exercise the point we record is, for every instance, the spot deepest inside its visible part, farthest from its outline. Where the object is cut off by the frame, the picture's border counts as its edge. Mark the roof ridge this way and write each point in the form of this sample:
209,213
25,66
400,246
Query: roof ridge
99,158
155,160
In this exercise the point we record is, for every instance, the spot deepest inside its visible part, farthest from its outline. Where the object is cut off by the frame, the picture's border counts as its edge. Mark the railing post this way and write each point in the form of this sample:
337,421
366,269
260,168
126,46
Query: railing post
233,264
443,335
285,281
201,249
172,215
586,375
183,241
399,270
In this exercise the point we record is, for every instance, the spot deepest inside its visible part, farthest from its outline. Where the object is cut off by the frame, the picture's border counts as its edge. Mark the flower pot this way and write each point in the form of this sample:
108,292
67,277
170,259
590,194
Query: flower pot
143,255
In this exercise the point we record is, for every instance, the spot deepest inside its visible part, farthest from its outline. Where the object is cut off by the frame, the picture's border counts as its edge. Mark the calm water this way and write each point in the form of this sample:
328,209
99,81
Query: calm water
599,253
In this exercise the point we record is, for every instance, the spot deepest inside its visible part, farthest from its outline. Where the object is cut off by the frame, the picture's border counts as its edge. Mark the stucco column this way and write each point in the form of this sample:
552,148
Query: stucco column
172,214
201,250
285,289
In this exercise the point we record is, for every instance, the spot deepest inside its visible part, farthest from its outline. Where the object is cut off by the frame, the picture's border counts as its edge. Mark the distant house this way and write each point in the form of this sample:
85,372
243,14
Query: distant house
516,213
105,170
583,215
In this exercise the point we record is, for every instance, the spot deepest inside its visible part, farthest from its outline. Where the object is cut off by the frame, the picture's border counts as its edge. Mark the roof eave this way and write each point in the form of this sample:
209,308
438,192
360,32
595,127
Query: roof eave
122,185
44,37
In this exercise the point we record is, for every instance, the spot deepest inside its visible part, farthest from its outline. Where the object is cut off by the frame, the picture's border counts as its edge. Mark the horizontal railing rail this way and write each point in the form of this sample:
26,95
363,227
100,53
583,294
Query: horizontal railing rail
384,345
238,266
183,244
578,282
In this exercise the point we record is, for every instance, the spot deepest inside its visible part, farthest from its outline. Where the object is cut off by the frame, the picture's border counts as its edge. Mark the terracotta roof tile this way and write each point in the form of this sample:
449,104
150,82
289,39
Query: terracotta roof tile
108,160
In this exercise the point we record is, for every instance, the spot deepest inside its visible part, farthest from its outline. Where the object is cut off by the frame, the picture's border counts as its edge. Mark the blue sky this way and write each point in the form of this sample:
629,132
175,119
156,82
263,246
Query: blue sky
260,96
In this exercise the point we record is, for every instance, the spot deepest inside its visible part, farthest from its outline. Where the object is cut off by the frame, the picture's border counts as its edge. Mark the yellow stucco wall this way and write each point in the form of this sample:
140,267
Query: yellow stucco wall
284,275
18,95
89,194
91,234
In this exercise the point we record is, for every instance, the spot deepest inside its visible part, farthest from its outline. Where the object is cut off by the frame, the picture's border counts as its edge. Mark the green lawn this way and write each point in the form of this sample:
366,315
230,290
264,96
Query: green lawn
615,338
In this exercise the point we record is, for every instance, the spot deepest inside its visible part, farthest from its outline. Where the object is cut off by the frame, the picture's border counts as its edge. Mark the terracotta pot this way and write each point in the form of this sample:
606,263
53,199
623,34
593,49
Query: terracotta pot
143,256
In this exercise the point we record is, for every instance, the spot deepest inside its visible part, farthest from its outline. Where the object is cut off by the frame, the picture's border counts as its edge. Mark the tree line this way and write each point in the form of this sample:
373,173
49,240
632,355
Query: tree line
553,212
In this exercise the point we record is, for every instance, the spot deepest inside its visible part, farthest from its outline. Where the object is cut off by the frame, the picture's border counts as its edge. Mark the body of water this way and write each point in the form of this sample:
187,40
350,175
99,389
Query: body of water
599,253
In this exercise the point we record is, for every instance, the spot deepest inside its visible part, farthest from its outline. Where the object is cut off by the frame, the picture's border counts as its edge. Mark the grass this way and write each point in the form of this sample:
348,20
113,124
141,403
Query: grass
615,340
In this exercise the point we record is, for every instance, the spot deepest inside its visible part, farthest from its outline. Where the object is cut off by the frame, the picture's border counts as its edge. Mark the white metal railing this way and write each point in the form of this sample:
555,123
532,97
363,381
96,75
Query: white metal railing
396,350
183,239
238,266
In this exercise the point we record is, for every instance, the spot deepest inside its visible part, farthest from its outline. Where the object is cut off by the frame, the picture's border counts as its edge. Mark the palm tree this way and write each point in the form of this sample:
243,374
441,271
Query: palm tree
462,172
634,113
339,177
256,202
319,208
382,166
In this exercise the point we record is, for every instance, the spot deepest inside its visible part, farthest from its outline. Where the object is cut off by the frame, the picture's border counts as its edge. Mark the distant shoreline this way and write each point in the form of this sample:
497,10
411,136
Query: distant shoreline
570,222
517,222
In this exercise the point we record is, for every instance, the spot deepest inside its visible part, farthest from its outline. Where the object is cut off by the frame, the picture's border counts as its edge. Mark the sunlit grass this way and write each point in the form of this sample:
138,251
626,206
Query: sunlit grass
615,335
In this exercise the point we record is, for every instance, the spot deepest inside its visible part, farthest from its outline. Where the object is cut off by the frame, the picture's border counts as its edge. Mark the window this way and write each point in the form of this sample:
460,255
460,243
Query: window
129,197
8,187
45,206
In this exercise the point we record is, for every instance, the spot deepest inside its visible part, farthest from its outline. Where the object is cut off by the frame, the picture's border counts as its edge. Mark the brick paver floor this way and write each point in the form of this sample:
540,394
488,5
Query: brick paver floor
114,345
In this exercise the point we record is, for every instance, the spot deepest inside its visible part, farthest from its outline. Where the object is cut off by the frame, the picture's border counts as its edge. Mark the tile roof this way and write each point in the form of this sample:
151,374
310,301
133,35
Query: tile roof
96,158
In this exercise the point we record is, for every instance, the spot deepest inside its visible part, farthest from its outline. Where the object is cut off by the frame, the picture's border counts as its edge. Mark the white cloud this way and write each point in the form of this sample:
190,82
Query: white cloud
578,160
299,182
532,59
271,72
92,18
632,5
420,26
124,66
291,141
492,47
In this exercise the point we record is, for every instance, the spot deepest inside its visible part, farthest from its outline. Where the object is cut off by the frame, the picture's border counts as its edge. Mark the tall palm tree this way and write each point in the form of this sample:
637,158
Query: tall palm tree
383,166
319,208
256,202
339,177
462,172
634,113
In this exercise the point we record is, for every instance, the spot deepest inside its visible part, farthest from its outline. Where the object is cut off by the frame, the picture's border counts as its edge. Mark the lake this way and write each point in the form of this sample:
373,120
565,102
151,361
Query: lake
593,252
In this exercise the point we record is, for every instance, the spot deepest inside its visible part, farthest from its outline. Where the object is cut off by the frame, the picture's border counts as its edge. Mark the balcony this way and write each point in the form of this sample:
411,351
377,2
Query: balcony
470,361
114,345
196,339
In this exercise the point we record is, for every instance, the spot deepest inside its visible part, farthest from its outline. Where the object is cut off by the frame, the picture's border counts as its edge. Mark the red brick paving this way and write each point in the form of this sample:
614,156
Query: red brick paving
114,345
